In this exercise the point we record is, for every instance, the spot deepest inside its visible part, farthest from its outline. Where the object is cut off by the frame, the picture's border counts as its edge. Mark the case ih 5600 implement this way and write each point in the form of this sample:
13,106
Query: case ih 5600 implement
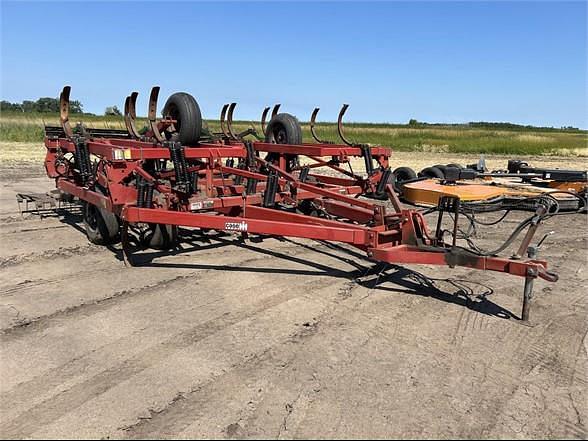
174,173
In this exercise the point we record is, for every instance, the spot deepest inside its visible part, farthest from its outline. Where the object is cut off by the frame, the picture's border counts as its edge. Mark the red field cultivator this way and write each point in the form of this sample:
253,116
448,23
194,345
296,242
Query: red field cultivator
177,173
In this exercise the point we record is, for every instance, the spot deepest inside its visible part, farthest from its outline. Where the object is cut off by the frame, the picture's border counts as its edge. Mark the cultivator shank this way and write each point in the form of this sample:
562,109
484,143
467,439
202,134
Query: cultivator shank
228,183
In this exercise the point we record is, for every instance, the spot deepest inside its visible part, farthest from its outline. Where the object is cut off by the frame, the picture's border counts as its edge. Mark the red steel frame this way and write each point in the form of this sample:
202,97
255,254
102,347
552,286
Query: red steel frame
400,236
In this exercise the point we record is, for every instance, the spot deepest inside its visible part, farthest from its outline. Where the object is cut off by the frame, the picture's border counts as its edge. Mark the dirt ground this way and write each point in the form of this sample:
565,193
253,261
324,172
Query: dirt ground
280,338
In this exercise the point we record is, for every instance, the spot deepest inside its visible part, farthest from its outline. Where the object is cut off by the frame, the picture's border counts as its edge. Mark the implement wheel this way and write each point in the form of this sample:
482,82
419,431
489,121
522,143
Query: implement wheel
431,172
284,129
162,236
443,168
102,226
183,108
401,175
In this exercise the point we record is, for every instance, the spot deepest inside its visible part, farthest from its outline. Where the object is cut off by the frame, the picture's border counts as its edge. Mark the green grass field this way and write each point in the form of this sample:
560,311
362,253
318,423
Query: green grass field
19,127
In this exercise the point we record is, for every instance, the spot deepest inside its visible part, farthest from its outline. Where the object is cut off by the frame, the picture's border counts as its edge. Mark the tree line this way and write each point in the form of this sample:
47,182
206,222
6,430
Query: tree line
491,125
43,105
50,105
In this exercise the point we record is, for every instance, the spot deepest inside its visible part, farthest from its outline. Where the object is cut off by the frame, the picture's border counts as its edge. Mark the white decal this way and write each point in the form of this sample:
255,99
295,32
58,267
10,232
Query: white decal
236,226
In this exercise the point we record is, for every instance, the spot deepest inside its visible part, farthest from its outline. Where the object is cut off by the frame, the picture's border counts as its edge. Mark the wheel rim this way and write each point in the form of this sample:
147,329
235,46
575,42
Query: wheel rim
280,135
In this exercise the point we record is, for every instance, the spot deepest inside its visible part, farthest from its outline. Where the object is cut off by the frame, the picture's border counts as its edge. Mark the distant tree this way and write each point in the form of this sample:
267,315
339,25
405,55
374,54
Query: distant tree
112,110
47,105
8,106
28,106
413,122
44,105
76,107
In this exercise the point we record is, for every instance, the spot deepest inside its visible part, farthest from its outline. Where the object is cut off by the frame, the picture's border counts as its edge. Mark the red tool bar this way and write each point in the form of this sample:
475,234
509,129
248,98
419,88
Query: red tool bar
235,198
347,211
333,180
317,149
339,233
139,151
320,162
335,194
85,194
253,212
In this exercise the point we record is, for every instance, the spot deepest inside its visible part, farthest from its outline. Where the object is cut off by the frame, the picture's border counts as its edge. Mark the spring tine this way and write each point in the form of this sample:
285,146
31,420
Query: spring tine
153,113
133,105
64,111
222,120
275,111
340,124
263,118
127,99
128,116
230,120
133,114
312,124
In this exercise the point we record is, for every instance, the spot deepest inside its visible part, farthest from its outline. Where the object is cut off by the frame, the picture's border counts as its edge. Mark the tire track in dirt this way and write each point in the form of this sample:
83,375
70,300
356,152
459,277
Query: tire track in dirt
506,333
215,266
100,306
39,322
42,418
244,384
130,279
546,351
549,363
69,251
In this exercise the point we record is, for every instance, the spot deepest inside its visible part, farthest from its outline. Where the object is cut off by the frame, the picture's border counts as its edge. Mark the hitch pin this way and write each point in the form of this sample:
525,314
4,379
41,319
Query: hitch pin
533,250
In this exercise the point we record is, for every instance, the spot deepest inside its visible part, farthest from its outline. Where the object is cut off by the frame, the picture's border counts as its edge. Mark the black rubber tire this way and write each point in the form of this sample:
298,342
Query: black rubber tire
162,236
305,207
401,175
455,165
284,129
431,172
441,167
184,109
102,226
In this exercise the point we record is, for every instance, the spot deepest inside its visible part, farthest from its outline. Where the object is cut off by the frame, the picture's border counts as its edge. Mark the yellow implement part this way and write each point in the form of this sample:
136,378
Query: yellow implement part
429,191
568,186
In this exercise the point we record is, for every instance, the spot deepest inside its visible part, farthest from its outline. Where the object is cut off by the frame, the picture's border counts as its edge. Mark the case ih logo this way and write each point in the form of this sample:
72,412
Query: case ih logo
236,226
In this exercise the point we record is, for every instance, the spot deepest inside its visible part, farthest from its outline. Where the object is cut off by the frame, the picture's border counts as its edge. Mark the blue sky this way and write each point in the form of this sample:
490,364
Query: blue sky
521,62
